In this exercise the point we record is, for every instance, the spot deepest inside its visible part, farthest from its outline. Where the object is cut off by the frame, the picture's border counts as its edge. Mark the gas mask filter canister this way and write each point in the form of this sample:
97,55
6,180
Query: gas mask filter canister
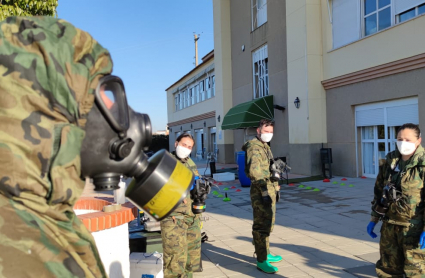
114,145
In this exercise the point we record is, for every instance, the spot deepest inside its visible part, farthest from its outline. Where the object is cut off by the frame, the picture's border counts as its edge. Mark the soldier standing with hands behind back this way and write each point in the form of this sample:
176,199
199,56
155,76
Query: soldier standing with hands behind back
263,194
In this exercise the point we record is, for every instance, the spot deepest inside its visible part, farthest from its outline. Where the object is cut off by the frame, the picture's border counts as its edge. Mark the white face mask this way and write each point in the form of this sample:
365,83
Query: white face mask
182,152
266,137
406,148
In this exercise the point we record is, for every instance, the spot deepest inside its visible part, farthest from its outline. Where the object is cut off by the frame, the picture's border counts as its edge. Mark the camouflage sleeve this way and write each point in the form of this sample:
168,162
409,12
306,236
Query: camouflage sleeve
192,166
195,172
253,164
379,188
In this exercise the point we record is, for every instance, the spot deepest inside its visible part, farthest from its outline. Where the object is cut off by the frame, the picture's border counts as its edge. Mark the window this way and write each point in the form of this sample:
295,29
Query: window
260,72
189,97
201,86
378,124
421,9
259,13
201,90
196,97
213,85
181,101
208,87
176,101
193,97
406,15
377,15
345,22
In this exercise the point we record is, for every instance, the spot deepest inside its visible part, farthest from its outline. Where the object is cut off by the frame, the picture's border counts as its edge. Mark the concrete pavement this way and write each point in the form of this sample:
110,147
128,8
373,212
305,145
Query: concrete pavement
318,233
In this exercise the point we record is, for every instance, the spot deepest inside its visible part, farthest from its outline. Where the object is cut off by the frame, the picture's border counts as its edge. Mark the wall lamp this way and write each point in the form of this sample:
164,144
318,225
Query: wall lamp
278,107
297,102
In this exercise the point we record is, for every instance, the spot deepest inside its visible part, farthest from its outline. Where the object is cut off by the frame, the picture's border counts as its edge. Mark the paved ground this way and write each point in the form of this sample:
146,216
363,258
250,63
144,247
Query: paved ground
318,233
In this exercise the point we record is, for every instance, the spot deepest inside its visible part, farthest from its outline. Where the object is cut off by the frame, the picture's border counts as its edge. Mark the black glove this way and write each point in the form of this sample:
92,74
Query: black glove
277,196
200,190
277,168
267,200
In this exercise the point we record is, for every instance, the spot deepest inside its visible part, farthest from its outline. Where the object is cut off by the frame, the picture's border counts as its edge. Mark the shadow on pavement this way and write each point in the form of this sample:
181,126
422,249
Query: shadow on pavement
321,232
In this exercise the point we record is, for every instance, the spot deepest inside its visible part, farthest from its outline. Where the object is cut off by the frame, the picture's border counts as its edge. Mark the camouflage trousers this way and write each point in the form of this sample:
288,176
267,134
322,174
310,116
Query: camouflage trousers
181,243
264,216
401,255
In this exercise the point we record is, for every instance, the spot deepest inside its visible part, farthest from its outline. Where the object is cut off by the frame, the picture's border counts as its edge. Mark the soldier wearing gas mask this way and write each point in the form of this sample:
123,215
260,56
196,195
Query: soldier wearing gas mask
64,118
263,194
181,230
399,203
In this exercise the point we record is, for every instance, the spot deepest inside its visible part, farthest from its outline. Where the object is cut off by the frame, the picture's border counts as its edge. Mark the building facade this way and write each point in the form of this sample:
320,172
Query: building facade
191,105
348,74
358,67
373,77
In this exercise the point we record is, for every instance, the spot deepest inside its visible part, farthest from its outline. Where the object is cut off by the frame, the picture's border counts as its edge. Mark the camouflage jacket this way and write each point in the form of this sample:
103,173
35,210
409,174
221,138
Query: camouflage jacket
257,161
185,207
410,208
48,73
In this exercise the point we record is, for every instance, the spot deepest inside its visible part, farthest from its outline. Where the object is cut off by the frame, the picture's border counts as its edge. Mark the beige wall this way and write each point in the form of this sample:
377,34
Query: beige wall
272,33
223,76
307,125
397,42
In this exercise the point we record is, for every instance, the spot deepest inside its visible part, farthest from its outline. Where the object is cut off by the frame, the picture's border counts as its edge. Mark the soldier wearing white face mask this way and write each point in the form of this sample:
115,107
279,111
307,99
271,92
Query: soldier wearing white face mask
263,194
181,230
399,203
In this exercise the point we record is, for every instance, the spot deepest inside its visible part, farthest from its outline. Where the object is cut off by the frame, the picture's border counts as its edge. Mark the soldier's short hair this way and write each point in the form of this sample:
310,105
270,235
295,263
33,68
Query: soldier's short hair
265,122
411,126
183,135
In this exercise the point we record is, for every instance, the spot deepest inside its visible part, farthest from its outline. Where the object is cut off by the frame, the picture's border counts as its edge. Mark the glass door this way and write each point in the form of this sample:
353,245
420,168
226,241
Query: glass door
368,151
377,141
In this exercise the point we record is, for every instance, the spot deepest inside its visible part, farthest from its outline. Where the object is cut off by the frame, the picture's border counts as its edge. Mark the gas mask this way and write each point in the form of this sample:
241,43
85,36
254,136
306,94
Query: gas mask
116,137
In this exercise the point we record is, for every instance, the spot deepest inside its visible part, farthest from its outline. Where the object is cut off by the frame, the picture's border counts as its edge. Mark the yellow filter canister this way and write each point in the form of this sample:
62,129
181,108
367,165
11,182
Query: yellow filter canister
162,186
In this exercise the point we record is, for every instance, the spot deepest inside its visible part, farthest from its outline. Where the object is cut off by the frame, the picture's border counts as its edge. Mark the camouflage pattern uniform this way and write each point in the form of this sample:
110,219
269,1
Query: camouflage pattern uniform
404,221
181,236
257,164
48,72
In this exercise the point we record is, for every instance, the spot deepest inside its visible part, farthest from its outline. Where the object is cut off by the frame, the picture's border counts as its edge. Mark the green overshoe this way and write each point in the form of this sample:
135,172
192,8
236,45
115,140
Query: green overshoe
274,259
267,267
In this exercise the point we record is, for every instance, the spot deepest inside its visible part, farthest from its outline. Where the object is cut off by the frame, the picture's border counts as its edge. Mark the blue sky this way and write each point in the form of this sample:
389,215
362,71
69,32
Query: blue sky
151,43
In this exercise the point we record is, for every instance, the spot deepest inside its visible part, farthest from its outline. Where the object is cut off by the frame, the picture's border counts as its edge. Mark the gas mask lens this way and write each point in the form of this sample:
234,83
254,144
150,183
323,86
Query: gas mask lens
110,96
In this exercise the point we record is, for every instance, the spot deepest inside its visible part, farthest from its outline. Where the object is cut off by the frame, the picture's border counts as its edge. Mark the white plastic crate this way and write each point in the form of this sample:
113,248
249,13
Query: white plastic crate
224,176
146,265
